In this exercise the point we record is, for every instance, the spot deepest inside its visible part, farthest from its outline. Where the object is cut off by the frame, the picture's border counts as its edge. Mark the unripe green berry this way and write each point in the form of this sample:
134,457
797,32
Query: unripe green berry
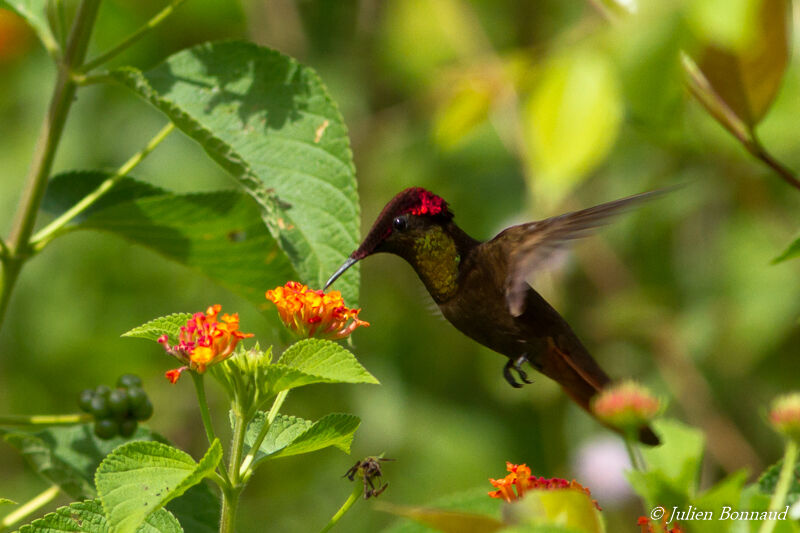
129,380
106,428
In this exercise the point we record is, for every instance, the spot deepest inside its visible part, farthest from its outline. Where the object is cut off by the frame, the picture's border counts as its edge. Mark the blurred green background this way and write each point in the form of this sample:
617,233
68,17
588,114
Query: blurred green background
511,111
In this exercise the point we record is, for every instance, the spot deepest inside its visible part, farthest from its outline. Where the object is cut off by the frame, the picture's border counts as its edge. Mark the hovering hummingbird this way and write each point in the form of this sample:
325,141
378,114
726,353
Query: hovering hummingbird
481,287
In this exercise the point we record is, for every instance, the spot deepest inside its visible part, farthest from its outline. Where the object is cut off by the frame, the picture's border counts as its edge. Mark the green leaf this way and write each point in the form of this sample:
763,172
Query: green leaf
745,71
571,508
443,520
673,468
289,435
6,501
139,478
791,252
726,493
326,360
220,234
169,325
198,510
473,501
67,189
35,13
88,517
269,122
768,480
571,120
68,456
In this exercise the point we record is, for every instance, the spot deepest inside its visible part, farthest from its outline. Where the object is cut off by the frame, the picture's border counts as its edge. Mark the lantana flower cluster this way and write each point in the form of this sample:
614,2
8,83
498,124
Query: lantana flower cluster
310,313
206,339
519,480
626,405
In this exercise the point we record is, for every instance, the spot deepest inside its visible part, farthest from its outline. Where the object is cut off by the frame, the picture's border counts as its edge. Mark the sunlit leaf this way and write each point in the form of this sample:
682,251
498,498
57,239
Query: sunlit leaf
88,517
169,325
269,122
571,120
139,478
6,501
289,435
327,360
465,106
571,508
746,77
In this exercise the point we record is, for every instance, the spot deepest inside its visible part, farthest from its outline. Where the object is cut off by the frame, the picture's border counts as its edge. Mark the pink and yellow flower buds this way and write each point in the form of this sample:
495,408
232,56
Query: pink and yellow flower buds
310,313
785,415
626,406
205,340
521,480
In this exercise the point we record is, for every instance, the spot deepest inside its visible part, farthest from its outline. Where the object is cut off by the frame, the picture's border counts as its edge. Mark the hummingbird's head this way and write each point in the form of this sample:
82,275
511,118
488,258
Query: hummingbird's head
401,223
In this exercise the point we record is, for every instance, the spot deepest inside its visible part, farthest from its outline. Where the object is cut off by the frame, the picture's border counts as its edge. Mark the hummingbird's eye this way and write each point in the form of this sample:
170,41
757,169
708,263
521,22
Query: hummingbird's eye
399,223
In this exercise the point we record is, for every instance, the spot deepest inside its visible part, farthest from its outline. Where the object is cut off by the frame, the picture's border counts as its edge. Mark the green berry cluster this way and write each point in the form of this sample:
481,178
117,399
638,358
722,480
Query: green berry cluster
117,411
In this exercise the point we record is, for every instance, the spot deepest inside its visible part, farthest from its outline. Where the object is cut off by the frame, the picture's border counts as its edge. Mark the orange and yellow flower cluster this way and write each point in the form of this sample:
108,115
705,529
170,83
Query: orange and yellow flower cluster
311,313
521,479
204,340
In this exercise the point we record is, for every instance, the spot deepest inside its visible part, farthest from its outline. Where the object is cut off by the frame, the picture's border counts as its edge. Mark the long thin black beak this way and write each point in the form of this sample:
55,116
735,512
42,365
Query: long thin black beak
347,264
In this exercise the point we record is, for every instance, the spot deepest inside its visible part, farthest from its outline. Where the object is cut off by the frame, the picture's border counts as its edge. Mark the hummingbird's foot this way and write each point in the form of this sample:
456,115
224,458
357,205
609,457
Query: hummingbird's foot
516,364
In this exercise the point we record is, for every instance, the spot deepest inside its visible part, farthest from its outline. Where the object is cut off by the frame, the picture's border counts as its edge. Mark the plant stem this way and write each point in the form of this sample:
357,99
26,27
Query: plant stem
45,420
230,497
629,439
245,472
29,507
132,38
782,487
353,498
46,146
205,414
49,232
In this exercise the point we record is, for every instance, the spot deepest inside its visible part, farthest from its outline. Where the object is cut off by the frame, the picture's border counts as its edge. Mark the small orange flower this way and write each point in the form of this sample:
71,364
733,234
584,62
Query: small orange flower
520,478
311,313
204,341
627,405
647,526
785,415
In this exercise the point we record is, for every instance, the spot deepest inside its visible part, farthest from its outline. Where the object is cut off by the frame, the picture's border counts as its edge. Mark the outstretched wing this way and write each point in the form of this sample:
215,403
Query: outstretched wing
530,246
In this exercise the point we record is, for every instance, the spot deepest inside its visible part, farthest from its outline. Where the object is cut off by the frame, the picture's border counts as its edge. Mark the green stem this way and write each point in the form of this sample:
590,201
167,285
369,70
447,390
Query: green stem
49,232
245,471
782,487
29,507
205,414
230,504
629,438
230,497
132,38
46,146
44,420
353,498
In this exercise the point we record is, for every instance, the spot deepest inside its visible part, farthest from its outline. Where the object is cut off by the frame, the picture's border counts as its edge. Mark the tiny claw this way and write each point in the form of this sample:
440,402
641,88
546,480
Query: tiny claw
518,362
510,378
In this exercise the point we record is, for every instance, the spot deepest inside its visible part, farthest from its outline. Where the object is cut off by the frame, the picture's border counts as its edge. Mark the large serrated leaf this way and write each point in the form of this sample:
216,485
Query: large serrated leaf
327,360
289,435
68,456
220,234
270,122
34,12
88,517
139,478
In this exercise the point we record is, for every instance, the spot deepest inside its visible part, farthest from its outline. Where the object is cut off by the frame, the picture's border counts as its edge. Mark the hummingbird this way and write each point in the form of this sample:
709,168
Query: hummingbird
481,288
